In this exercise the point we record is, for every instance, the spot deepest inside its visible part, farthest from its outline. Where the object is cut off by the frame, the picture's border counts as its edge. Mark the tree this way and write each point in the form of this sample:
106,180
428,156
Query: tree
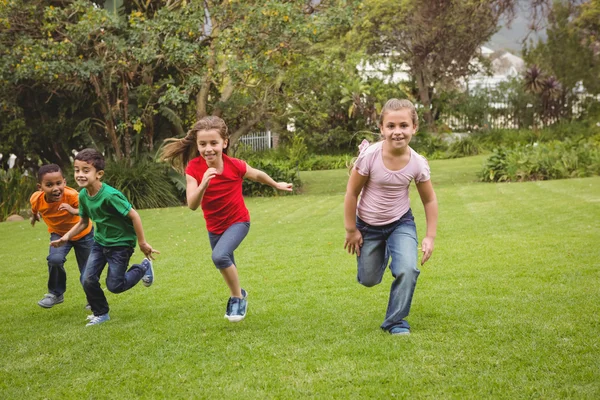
437,39
158,64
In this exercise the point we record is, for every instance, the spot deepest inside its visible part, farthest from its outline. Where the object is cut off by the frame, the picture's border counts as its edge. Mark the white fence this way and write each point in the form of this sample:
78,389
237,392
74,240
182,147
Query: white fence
258,141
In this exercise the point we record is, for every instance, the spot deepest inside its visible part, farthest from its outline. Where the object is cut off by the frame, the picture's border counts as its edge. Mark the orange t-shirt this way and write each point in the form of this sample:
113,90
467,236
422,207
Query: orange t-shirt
58,221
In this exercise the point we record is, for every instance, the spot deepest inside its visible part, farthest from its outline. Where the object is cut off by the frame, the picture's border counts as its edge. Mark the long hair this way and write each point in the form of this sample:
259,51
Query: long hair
178,152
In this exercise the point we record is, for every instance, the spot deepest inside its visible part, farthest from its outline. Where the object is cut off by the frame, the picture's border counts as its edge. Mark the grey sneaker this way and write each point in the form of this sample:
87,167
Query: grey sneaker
98,319
148,277
50,300
236,308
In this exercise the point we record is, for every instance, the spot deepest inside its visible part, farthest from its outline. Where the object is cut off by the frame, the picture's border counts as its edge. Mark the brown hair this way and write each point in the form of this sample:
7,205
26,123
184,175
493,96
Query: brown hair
93,157
48,169
395,105
180,151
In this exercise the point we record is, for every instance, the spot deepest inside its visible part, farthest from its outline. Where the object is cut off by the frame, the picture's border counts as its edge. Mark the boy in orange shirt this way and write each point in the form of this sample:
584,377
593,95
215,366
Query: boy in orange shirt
58,205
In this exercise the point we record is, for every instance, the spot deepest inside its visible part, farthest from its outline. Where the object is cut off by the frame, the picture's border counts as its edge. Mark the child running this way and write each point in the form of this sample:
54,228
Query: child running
381,224
58,205
214,182
118,226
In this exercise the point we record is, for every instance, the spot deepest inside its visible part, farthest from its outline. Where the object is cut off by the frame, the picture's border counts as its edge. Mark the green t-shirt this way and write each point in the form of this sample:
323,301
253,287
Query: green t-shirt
108,209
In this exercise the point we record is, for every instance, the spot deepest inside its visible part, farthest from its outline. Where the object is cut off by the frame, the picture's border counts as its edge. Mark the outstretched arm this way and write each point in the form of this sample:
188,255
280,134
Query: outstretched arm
354,238
262,177
139,232
74,231
429,200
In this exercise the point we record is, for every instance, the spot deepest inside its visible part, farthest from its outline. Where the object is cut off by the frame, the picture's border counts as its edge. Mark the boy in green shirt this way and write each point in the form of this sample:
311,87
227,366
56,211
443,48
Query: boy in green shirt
118,226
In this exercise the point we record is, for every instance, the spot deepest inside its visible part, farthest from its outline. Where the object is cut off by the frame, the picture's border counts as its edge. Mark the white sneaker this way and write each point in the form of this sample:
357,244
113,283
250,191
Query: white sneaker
98,319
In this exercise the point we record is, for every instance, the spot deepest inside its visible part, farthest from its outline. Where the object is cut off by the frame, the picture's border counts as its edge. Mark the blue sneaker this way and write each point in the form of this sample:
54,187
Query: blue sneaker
402,329
236,308
148,277
98,319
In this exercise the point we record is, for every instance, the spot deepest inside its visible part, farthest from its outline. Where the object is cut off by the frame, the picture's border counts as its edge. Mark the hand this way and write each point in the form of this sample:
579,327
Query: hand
354,241
284,186
68,208
59,242
148,250
426,248
34,217
208,175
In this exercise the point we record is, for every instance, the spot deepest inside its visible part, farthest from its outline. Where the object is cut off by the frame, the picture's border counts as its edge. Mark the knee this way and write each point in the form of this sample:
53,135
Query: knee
89,282
115,286
56,259
221,260
368,281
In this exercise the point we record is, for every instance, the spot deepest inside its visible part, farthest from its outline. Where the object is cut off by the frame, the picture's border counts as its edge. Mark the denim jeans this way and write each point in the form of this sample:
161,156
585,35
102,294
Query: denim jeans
57,256
118,279
224,245
398,240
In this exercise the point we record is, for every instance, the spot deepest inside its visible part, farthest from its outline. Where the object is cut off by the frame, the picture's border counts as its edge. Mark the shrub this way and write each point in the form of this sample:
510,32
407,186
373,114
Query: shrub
552,160
15,190
280,172
144,182
464,147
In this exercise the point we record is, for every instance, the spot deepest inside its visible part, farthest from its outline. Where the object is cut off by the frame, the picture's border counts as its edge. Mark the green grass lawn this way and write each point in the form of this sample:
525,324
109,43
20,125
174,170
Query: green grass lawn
508,306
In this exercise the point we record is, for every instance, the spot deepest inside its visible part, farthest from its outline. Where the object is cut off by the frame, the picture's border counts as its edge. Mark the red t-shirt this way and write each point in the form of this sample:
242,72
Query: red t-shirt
223,204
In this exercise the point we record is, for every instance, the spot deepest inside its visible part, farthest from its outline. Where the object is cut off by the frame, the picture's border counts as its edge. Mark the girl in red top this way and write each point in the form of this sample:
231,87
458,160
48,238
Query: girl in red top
214,182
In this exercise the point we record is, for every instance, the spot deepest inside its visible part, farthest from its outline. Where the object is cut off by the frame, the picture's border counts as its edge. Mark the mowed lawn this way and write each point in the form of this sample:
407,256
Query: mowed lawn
508,306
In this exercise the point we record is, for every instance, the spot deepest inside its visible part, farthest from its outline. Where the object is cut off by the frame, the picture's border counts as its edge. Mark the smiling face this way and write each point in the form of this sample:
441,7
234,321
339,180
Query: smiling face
87,176
53,186
211,145
398,128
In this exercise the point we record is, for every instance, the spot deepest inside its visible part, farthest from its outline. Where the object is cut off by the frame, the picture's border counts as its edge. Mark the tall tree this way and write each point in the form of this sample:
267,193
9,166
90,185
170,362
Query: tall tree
437,39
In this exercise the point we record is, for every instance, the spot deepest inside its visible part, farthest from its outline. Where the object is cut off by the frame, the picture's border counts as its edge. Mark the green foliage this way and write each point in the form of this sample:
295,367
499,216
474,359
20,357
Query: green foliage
280,172
551,160
145,183
15,190
464,147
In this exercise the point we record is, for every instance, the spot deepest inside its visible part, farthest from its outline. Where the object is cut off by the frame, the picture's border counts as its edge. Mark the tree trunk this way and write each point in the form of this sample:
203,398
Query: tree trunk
423,87
202,97
109,121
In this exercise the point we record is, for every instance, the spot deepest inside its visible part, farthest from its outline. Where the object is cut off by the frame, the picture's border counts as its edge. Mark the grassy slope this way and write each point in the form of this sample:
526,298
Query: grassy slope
506,308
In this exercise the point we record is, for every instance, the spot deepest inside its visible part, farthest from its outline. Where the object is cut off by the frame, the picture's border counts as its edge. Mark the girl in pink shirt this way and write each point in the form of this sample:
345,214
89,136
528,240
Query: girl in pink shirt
380,224
214,183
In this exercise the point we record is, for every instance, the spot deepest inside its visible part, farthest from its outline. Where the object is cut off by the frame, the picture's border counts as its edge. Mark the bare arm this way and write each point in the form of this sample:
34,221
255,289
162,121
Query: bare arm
257,175
194,191
74,231
139,232
430,204
354,238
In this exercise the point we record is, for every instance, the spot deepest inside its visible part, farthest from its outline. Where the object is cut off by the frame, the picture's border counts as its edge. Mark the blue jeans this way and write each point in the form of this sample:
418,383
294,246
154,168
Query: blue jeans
118,279
224,245
398,240
57,256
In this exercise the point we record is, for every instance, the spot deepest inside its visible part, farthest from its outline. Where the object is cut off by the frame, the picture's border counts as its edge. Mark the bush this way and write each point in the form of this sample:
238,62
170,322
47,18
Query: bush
464,148
15,190
553,160
144,182
280,172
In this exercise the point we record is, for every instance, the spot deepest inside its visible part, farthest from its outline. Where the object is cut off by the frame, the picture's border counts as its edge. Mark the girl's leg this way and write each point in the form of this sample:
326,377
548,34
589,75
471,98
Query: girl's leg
402,246
373,258
223,247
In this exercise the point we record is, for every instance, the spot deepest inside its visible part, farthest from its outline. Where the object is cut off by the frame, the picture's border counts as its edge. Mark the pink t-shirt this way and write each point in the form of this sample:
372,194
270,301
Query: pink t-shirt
384,198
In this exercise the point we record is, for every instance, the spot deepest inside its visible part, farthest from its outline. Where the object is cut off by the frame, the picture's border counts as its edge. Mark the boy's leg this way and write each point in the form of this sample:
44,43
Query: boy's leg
91,280
402,245
57,276
82,248
373,258
119,279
